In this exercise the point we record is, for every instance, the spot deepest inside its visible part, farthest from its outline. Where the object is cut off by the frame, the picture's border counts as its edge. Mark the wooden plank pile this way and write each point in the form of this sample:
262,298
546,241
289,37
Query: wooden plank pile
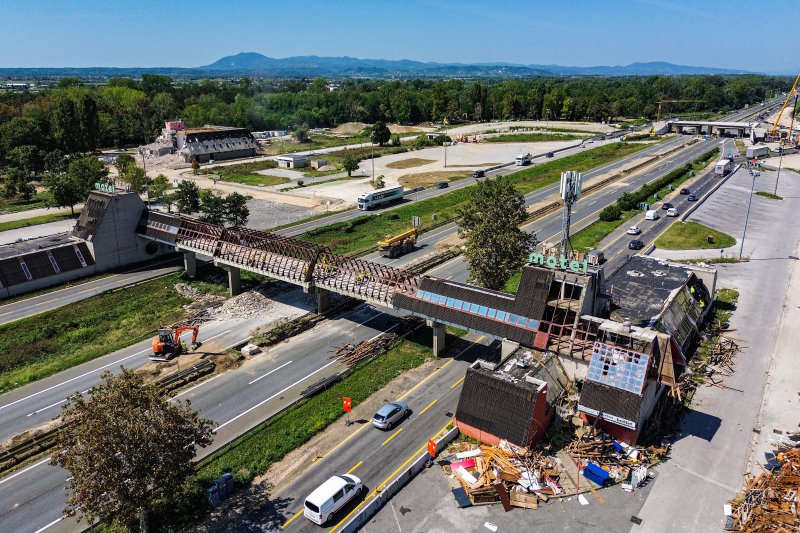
508,474
617,458
770,500
351,355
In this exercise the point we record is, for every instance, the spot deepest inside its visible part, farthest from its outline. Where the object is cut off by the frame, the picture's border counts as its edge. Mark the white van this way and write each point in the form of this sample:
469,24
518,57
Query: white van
651,215
330,497
672,212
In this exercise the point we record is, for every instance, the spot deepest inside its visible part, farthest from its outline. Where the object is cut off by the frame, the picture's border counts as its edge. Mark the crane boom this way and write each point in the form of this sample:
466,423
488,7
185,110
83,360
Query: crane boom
785,103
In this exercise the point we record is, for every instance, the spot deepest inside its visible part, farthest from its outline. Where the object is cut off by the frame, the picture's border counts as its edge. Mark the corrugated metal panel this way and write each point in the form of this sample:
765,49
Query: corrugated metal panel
610,400
39,265
497,406
159,226
92,214
532,294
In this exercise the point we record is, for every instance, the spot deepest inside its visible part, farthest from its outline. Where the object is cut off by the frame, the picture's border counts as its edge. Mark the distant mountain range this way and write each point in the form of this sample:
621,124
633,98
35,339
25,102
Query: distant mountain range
255,64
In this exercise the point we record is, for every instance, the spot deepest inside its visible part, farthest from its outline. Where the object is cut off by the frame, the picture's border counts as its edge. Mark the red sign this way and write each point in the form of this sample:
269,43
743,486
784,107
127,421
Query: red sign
431,448
347,404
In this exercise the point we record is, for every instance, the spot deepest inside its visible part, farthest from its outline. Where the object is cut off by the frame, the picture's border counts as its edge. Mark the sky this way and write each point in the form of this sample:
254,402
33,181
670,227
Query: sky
159,33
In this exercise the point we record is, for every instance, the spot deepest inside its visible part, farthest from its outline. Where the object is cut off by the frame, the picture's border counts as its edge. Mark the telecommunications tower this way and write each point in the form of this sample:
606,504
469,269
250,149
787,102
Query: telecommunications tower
570,192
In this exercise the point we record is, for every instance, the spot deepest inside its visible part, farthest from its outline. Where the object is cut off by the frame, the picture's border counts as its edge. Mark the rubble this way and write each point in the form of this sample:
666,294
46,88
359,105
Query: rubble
770,500
352,355
245,305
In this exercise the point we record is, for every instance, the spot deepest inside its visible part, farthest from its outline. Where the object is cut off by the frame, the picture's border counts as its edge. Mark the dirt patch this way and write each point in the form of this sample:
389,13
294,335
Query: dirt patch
398,128
349,127
427,179
409,163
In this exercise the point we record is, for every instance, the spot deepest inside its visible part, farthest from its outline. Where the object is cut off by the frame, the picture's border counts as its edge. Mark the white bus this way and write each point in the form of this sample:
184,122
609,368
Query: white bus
379,197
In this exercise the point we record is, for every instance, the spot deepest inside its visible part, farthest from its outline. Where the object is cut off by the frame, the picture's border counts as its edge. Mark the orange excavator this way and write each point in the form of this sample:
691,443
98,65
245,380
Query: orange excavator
168,344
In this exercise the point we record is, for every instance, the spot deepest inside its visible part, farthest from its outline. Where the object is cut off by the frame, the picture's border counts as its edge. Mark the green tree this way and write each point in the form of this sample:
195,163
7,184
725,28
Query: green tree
159,186
87,171
135,177
350,164
27,158
64,190
212,207
236,210
380,133
128,448
187,197
55,161
301,134
489,224
123,162
16,183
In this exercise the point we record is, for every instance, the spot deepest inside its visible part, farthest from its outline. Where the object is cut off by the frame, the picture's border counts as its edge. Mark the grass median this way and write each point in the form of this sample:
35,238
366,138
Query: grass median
693,236
35,221
534,137
247,173
42,345
365,231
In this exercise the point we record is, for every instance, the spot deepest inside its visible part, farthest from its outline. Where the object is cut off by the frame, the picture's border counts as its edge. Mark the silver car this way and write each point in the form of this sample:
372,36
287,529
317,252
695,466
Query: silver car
389,415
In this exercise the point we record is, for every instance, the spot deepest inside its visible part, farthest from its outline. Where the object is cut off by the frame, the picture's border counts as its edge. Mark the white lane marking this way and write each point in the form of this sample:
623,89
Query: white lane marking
270,372
87,390
15,474
51,524
259,404
209,380
215,336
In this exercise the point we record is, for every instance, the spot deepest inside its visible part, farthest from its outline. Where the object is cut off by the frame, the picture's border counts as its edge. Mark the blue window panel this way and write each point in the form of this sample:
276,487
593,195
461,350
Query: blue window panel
438,299
482,310
521,320
449,302
501,315
465,306
533,324
427,296
458,304
420,292
511,318
492,313
474,308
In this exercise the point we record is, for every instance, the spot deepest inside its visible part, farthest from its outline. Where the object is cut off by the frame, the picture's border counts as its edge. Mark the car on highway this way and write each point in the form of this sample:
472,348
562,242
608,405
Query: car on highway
442,185
634,230
651,215
478,174
549,154
672,212
331,496
389,415
667,205
686,191
692,198
636,244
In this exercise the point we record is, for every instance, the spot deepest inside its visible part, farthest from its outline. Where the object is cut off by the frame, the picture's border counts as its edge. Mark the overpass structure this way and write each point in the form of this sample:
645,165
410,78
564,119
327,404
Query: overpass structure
738,129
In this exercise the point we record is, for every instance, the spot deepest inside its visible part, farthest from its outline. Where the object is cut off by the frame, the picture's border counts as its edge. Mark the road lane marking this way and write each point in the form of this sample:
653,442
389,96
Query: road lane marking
259,404
428,407
396,433
51,524
457,383
353,469
298,513
15,474
53,404
353,434
209,380
270,372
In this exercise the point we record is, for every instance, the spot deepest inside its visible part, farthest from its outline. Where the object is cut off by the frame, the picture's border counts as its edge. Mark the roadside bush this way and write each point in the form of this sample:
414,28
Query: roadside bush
300,183
610,213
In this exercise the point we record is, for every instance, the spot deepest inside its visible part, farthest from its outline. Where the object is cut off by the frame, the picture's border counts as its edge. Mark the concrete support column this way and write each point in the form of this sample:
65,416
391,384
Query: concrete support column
234,280
507,348
190,264
323,300
438,337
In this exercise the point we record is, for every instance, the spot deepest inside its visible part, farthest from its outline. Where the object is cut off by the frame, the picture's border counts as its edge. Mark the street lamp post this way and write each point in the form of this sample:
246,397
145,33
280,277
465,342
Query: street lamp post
747,216
780,163
146,183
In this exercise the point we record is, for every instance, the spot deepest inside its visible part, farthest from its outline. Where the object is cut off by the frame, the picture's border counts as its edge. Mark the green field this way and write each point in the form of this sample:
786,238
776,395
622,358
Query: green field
588,238
533,137
33,221
42,345
365,231
693,236
39,200
246,173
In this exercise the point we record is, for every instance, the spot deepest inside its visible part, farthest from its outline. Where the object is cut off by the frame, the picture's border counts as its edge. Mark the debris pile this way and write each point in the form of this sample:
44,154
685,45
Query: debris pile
513,476
711,365
201,303
351,355
617,459
245,305
770,500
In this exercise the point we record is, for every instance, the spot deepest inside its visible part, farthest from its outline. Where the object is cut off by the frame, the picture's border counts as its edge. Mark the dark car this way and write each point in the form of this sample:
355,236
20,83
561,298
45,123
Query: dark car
636,244
549,154
686,191
667,205
442,185
692,198
478,174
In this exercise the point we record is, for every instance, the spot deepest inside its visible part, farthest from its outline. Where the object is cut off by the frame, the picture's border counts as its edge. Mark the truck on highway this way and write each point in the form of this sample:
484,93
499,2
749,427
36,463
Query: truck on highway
523,160
378,197
396,245
757,151
723,168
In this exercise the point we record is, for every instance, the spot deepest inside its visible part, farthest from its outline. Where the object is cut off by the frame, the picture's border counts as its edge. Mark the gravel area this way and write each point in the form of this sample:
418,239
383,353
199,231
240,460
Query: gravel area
265,214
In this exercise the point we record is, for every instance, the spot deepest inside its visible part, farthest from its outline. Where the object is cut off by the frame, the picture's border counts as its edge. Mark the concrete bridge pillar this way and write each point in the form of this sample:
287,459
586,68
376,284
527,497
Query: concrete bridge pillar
234,280
190,264
323,300
438,337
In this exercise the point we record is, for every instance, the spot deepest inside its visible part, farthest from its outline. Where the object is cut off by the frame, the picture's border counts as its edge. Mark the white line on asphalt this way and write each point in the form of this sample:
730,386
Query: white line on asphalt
209,380
259,404
236,343
15,474
51,524
382,332
53,405
270,372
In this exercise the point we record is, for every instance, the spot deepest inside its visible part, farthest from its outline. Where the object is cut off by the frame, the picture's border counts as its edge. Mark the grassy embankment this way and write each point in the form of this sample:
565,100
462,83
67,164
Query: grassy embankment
534,137
34,221
365,231
246,173
693,236
769,195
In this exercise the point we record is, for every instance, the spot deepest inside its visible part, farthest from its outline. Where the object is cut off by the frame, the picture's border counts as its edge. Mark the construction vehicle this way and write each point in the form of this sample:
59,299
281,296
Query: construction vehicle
774,135
397,245
168,344
523,159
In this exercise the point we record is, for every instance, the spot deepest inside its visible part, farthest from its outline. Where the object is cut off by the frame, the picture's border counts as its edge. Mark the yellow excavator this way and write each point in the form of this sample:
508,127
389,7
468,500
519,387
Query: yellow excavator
397,245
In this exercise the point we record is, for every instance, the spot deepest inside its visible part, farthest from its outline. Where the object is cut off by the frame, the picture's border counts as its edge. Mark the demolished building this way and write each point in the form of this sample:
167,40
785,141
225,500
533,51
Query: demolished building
215,143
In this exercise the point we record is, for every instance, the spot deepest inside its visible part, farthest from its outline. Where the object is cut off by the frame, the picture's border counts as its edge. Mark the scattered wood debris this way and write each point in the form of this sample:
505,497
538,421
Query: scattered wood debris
770,500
